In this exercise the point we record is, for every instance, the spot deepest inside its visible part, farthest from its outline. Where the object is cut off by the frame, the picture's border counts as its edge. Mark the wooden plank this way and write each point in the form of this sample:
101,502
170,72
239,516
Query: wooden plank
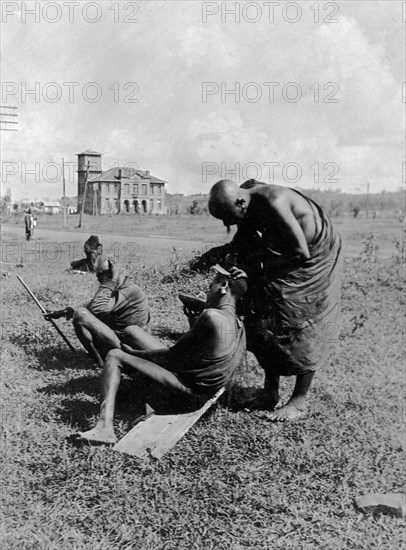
159,433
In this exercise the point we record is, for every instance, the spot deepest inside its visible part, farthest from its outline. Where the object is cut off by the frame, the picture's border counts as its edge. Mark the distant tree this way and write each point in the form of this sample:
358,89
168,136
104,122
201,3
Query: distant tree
355,211
194,208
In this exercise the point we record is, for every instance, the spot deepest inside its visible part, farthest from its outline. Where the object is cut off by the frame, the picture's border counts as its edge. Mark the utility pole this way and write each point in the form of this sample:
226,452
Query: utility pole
64,194
82,207
119,192
6,118
367,205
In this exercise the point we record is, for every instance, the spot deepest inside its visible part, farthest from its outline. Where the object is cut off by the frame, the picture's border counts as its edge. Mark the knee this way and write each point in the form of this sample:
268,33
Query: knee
80,316
114,357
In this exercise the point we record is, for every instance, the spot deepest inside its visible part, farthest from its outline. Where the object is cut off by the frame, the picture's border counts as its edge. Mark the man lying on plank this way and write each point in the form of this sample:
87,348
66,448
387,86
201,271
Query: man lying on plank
198,364
117,311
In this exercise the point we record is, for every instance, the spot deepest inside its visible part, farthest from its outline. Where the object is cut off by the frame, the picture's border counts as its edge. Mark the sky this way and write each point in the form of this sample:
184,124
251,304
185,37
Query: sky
302,94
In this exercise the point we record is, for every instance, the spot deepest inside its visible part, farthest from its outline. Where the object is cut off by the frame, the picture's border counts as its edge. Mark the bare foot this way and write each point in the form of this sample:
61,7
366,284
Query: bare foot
293,410
98,435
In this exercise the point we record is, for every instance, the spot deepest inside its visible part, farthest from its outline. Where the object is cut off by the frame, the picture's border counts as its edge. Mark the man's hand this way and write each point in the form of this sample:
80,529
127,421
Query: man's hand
211,257
191,315
238,273
57,314
114,270
136,352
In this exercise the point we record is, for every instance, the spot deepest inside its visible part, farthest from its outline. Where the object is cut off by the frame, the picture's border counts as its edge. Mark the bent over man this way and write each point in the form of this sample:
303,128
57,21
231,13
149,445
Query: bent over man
200,363
290,253
117,311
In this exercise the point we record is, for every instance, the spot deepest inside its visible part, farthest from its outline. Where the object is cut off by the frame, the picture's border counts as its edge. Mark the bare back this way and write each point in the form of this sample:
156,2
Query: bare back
274,202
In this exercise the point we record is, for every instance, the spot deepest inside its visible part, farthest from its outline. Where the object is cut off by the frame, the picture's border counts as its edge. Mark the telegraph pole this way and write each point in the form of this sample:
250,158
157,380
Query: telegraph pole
64,194
367,205
6,118
82,208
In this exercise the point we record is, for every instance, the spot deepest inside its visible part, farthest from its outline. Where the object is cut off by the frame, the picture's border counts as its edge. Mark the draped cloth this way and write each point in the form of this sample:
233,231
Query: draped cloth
292,314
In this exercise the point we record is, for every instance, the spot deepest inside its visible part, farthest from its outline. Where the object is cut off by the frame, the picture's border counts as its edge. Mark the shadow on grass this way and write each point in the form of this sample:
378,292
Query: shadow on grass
54,357
166,332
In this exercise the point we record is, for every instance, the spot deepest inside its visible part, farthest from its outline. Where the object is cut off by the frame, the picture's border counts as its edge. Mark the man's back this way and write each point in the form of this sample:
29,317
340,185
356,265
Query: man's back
120,305
207,355
269,202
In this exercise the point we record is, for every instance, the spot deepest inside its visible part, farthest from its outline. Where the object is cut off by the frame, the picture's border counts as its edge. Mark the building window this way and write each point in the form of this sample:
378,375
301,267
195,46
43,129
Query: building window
144,189
158,189
135,188
126,189
159,204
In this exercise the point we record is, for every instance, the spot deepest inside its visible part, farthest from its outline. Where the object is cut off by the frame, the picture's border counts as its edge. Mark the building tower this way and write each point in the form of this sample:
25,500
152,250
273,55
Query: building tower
95,169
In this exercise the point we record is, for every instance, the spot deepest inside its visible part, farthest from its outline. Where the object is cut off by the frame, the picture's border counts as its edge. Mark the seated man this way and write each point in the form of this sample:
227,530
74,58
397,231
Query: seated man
199,363
92,249
117,312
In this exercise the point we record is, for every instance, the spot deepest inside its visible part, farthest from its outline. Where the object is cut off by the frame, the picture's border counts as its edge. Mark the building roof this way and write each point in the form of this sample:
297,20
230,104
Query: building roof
53,204
89,153
129,174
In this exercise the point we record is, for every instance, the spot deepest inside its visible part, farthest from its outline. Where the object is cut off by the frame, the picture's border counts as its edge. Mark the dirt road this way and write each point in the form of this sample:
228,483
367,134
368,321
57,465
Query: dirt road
51,243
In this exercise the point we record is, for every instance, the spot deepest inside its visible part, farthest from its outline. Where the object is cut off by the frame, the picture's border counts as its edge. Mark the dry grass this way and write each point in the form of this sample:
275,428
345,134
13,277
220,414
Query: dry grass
236,481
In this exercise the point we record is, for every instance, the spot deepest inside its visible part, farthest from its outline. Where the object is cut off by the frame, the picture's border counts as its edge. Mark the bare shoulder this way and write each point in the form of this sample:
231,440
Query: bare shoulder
274,195
211,319
211,315
282,198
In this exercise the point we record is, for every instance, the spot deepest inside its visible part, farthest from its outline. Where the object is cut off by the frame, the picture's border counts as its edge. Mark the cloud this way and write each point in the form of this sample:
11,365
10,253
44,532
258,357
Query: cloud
172,131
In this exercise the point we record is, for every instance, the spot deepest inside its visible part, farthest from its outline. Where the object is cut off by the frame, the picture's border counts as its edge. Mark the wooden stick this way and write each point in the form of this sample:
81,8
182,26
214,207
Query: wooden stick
45,311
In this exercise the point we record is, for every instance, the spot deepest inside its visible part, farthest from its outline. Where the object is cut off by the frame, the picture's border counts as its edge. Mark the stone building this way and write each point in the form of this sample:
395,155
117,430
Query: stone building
118,190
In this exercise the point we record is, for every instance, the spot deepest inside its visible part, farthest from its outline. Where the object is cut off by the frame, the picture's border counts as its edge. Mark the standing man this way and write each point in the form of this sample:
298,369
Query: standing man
116,313
28,224
290,253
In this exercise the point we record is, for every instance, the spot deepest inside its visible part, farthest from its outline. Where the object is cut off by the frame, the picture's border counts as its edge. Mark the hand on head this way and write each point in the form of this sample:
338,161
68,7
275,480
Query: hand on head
237,273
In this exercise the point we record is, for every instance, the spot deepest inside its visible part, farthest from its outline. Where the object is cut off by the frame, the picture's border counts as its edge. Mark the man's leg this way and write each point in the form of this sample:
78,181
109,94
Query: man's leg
79,264
139,338
297,404
96,337
116,360
268,397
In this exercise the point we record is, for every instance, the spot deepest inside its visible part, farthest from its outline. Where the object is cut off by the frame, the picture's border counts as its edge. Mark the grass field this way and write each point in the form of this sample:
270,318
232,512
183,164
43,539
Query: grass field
236,481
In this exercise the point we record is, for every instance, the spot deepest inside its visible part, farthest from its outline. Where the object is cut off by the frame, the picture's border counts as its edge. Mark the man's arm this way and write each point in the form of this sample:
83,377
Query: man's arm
104,299
293,246
212,256
202,331
57,314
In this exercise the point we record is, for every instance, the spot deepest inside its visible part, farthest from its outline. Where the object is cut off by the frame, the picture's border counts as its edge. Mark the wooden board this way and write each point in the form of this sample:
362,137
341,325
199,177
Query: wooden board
159,433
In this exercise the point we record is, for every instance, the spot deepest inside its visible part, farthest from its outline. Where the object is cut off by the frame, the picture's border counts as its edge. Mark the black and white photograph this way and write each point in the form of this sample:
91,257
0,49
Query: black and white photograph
203,267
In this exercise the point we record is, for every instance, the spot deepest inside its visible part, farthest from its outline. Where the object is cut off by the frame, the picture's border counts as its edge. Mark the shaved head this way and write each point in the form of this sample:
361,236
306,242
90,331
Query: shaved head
222,197
228,202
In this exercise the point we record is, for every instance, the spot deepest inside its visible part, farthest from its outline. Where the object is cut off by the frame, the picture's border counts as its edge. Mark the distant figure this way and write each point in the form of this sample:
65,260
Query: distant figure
117,312
201,362
290,253
28,224
92,249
